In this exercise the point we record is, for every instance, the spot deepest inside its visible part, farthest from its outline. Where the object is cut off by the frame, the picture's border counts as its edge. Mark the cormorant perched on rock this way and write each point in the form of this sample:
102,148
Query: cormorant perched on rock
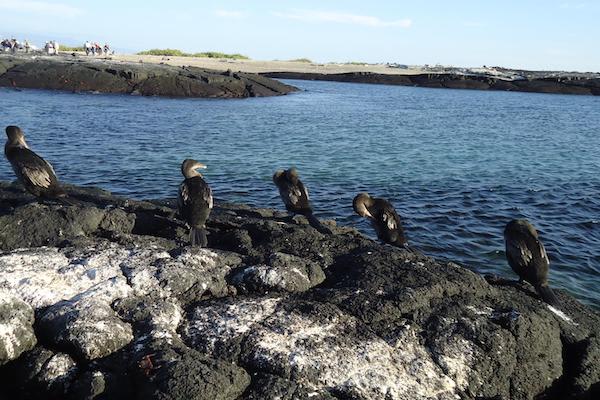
295,197
384,218
35,173
527,256
195,201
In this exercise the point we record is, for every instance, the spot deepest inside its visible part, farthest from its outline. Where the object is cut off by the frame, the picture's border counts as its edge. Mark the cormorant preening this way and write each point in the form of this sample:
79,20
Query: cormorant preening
527,256
195,201
295,197
384,218
35,173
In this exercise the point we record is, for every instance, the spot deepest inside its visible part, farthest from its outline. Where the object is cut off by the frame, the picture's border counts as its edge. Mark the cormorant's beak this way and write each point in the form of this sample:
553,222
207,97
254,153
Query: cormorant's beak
21,141
199,165
362,210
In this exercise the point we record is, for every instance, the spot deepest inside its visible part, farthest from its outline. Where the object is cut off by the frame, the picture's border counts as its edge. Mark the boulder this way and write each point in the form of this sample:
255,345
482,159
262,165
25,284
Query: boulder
44,374
88,328
285,273
16,326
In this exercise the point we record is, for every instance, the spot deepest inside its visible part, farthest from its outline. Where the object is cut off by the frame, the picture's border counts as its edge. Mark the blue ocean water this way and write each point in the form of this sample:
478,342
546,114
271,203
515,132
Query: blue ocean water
457,164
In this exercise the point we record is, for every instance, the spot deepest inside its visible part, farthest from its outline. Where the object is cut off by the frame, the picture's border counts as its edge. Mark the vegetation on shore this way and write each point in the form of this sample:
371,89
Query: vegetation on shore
303,60
179,53
71,48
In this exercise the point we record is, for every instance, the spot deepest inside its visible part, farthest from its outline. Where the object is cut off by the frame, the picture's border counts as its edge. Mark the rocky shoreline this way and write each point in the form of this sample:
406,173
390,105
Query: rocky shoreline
582,84
100,300
80,74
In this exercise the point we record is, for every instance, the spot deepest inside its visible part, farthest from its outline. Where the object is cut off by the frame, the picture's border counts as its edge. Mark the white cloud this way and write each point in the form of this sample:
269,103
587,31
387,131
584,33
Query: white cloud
40,7
229,14
322,16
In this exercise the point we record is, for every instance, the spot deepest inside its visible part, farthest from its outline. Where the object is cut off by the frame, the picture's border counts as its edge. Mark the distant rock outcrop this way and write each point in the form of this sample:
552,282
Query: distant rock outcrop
105,76
273,309
562,84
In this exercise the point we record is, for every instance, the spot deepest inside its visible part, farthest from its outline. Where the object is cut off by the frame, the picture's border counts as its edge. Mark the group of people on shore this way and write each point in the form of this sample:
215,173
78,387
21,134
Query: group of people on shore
13,45
94,49
51,47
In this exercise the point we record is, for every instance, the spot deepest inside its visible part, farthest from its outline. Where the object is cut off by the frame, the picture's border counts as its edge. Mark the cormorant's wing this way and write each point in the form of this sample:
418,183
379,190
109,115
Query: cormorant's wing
184,195
543,253
290,194
207,196
304,189
518,253
390,218
32,167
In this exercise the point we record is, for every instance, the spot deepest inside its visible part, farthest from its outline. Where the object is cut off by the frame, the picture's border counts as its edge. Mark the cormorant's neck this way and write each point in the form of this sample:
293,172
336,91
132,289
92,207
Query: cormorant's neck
20,142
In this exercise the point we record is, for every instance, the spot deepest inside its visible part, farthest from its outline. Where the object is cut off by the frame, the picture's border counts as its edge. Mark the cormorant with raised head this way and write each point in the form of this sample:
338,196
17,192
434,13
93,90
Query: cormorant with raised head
35,173
527,256
195,201
295,197
384,218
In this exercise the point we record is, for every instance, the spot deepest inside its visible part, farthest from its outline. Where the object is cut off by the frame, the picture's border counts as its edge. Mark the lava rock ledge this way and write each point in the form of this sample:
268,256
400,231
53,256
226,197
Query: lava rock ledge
100,300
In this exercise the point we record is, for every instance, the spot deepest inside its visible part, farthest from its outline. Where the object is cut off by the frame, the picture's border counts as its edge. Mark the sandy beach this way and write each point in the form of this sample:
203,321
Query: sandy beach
256,66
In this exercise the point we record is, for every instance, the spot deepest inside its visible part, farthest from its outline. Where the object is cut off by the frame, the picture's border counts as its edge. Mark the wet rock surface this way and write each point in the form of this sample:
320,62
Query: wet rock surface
273,309
565,83
78,74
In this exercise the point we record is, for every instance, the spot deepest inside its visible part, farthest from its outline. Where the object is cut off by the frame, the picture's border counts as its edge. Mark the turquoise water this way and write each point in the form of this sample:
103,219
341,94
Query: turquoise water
458,165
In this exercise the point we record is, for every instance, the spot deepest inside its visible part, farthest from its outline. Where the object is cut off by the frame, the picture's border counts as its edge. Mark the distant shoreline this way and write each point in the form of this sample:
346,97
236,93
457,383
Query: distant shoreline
493,78
168,76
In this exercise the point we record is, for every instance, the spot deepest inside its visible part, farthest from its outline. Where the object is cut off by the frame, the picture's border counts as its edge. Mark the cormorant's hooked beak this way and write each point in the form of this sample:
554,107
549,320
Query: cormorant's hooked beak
199,165
367,214
22,141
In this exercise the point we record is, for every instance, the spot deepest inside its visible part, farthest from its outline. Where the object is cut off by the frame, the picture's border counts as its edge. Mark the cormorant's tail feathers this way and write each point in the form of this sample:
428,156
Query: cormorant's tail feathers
315,223
198,237
548,295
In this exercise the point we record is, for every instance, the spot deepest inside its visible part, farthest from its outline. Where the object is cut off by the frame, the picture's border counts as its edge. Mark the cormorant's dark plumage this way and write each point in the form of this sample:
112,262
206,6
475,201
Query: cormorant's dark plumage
527,256
383,216
195,201
295,197
35,173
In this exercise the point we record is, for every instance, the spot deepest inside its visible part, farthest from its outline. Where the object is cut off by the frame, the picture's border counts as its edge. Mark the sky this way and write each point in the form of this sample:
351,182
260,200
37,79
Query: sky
531,34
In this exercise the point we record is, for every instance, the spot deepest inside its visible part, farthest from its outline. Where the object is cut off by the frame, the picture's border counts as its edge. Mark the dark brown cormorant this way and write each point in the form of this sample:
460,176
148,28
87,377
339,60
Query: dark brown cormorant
384,218
527,256
35,173
295,197
195,201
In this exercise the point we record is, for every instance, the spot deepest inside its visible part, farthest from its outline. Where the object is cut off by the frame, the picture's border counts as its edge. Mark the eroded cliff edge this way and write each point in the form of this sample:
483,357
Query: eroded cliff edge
78,74
99,300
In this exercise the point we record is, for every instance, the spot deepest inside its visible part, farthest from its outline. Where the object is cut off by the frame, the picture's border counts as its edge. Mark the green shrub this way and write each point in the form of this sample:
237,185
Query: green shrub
70,48
303,60
179,53
216,54
163,52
